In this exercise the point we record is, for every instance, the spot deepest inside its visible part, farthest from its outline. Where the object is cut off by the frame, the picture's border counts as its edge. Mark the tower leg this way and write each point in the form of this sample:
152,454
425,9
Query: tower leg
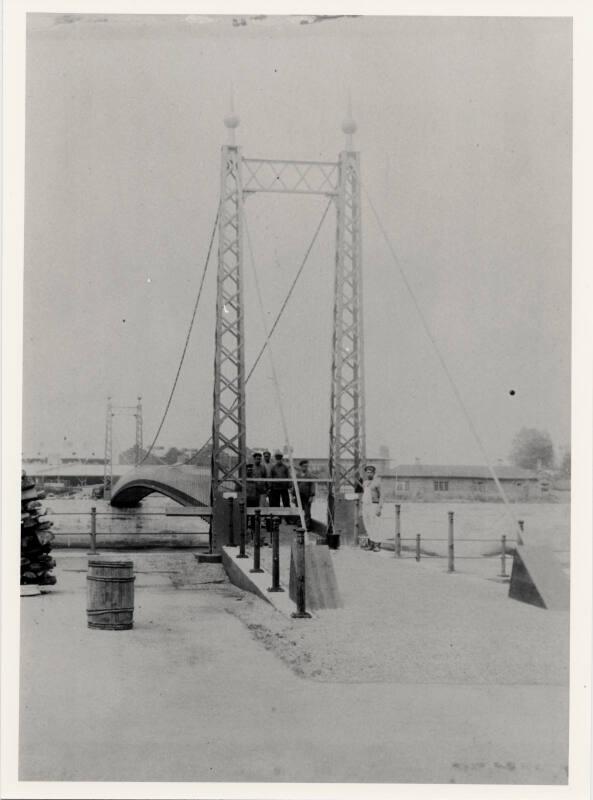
228,420
347,425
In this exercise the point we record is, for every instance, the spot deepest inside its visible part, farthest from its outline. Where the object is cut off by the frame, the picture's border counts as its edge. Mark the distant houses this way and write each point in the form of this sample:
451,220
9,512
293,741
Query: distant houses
429,482
405,482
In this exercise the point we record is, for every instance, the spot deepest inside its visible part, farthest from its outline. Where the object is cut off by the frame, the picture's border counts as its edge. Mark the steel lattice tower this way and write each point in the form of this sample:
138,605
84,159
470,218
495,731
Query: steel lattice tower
347,437
340,180
228,420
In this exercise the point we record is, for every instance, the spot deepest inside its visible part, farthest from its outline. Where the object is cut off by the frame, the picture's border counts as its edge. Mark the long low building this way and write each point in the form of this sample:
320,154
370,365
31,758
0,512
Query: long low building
72,474
447,482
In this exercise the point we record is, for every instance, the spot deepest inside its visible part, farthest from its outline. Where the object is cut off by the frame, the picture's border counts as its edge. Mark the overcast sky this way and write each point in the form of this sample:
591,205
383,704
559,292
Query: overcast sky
464,129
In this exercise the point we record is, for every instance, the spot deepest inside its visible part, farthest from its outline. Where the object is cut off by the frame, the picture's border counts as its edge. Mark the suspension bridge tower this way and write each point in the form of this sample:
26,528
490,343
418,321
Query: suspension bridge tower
339,180
136,412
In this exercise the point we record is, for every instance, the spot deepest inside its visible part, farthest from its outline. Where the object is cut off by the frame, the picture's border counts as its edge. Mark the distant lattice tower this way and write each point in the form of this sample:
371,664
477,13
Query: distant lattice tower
139,444
108,460
112,410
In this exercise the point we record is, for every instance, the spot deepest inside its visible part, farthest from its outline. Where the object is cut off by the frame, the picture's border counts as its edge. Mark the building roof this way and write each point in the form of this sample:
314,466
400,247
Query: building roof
72,470
477,472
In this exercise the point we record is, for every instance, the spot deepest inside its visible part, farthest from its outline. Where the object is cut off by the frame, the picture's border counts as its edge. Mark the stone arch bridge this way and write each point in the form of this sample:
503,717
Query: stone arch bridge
186,484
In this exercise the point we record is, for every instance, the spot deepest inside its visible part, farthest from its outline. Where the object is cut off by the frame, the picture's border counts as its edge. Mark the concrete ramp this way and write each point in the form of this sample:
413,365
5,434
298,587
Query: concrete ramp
538,578
321,586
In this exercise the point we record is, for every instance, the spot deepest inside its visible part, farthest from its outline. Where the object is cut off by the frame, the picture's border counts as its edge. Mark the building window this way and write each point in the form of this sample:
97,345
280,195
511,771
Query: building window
479,486
441,486
402,486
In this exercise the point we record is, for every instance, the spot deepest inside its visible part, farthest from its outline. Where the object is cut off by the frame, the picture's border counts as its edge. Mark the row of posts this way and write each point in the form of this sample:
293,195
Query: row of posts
301,612
450,542
299,556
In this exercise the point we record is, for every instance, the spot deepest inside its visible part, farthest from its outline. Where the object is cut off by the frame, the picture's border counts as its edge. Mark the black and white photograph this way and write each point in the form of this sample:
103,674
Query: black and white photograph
295,304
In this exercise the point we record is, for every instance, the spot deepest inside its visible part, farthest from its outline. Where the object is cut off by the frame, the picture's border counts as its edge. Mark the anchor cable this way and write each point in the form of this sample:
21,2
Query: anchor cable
278,316
187,338
275,379
443,363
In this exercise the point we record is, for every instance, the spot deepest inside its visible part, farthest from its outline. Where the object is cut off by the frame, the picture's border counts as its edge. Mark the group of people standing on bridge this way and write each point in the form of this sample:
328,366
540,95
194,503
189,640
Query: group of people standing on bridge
269,483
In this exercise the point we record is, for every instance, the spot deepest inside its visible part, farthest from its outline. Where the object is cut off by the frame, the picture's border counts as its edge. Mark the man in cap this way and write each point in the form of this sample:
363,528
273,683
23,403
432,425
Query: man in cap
267,462
306,490
279,495
259,471
372,506
252,488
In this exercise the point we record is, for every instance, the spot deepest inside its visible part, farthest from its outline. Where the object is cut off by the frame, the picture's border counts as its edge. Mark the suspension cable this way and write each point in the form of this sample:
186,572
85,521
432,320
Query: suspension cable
443,363
278,316
275,379
187,338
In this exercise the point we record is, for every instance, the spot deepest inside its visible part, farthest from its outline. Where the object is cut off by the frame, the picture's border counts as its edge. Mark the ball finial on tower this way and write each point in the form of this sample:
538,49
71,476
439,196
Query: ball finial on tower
349,126
232,120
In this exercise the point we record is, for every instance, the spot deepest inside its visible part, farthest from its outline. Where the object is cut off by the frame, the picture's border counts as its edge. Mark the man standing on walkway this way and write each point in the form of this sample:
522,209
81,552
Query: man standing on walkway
260,472
372,505
279,495
252,488
306,491
267,463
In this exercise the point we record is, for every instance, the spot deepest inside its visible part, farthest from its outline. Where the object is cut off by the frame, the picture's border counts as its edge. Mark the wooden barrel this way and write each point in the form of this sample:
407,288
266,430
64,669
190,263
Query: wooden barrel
110,595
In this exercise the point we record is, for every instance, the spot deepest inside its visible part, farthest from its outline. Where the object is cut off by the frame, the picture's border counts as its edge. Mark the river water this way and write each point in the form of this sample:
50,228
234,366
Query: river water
147,525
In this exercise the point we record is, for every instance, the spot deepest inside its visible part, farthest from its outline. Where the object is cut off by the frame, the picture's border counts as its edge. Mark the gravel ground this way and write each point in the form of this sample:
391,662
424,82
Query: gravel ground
407,622
191,693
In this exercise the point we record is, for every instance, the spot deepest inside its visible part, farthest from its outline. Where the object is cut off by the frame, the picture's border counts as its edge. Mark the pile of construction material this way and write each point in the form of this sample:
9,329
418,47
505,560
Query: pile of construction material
36,537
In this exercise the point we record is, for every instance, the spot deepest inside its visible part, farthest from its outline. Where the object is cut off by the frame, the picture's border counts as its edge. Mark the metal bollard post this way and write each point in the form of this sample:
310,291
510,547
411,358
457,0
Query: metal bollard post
398,534
417,547
275,587
299,566
256,541
93,549
230,504
503,557
242,553
451,544
356,521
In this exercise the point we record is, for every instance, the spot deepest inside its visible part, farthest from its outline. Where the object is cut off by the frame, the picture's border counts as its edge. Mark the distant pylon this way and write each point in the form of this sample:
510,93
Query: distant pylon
135,411
108,460
138,415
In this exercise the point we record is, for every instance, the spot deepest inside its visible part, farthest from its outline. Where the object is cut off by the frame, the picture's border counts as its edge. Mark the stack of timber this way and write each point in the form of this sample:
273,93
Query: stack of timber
36,537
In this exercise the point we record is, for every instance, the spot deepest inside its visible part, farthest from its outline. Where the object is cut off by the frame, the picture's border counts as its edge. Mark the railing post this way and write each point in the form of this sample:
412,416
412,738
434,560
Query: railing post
230,504
275,587
356,521
503,557
451,544
242,553
299,568
256,541
93,549
398,533
417,547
